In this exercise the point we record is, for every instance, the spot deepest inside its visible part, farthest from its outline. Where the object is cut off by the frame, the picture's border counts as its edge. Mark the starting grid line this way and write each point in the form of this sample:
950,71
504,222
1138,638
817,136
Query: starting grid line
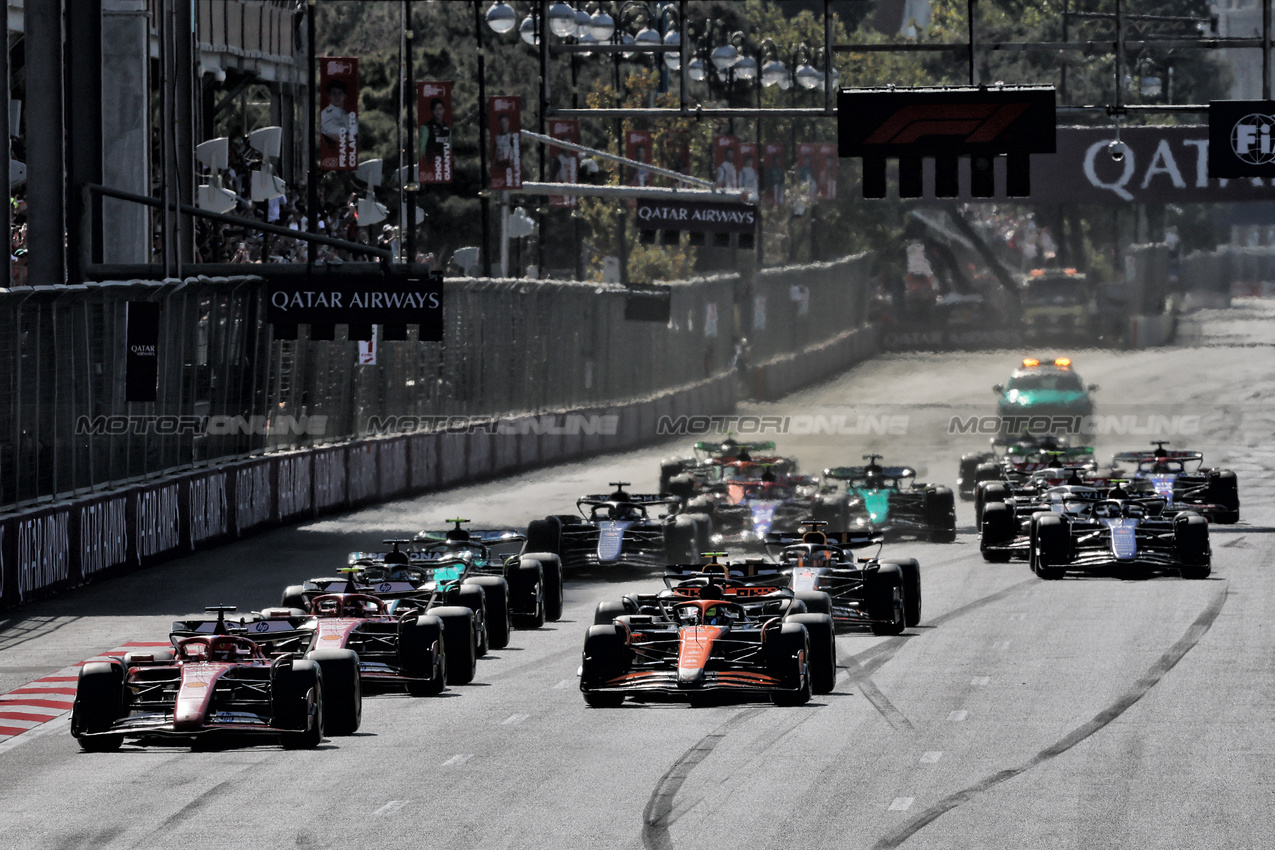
48,698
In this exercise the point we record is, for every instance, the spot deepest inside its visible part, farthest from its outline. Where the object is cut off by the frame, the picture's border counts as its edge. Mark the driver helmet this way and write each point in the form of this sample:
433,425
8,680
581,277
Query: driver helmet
1118,492
717,615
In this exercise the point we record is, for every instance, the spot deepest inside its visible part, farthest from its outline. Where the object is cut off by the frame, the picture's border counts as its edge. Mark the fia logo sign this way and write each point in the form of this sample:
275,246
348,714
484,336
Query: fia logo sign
1251,139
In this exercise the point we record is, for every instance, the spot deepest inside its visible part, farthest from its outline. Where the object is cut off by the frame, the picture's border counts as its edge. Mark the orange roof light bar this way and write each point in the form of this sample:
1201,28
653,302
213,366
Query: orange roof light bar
1029,362
1062,362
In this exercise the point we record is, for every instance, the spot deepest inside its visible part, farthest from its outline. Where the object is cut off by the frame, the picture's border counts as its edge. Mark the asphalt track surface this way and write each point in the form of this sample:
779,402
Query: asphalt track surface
1076,714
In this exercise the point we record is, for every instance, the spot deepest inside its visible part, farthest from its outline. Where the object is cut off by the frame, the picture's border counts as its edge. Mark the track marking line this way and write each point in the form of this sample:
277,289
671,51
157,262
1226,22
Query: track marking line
958,716
1018,616
391,807
564,684
458,759
49,698
980,681
901,804
1001,644
931,756
514,719
1161,668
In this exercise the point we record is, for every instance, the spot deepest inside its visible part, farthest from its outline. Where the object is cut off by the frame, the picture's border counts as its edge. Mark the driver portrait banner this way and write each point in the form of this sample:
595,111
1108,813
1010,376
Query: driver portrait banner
338,113
504,120
564,164
434,112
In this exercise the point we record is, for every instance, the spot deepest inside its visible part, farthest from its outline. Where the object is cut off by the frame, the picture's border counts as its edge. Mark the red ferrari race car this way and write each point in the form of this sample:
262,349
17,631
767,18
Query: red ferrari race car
406,648
217,686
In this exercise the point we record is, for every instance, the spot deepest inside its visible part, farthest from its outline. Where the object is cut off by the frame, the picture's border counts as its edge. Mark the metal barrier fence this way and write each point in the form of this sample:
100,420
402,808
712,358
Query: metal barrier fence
227,390
1230,270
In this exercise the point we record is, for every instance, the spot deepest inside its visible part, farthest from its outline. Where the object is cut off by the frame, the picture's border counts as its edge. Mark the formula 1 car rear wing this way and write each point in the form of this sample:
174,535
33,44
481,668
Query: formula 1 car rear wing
844,539
722,448
846,473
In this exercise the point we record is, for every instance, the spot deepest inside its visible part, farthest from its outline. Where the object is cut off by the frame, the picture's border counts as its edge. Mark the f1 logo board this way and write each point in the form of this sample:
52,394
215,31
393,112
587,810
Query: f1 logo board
946,124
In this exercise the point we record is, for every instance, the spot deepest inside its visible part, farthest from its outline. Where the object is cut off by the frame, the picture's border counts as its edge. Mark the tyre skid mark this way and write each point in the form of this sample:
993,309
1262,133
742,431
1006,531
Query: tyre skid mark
660,813
658,816
1194,633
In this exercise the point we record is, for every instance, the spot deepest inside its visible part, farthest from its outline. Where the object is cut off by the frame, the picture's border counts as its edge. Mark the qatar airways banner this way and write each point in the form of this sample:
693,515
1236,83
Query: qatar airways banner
1150,165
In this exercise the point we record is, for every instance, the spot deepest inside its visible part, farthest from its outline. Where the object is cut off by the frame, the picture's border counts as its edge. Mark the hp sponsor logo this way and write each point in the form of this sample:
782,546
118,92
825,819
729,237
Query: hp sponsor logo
1251,139
384,587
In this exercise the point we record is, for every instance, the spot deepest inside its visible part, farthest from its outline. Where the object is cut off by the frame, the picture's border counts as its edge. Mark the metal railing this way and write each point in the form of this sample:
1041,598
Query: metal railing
227,389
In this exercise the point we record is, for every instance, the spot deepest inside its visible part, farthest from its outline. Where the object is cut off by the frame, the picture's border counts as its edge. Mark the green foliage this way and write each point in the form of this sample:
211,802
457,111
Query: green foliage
445,50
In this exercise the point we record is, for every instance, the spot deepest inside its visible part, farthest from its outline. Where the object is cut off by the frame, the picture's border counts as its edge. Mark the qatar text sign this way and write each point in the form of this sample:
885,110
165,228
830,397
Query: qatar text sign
695,217
1240,138
339,113
359,300
1168,164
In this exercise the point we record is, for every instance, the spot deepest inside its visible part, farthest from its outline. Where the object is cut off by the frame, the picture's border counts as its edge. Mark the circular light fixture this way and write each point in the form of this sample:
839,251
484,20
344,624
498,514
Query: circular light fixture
746,68
583,22
807,76
588,40
725,56
647,36
673,38
785,83
601,26
562,20
773,73
695,69
627,39
527,29
501,17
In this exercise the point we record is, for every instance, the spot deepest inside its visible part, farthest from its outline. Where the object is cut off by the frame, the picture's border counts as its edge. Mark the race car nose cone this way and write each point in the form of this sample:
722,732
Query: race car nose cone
690,677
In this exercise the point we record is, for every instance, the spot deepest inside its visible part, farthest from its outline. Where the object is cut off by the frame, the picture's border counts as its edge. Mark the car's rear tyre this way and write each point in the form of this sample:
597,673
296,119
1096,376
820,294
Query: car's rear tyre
605,657
822,636
997,528
886,606
967,475
680,541
293,597
544,535
817,602
422,656
459,643
527,586
668,470
682,486
496,599
608,610
551,564
940,514
1191,542
911,572
99,702
986,493
1224,490
343,692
